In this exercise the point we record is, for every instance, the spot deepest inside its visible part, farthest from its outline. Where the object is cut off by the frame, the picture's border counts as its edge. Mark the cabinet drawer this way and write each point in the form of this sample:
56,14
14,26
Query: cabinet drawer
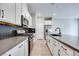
54,42
63,53
76,53
65,49
54,47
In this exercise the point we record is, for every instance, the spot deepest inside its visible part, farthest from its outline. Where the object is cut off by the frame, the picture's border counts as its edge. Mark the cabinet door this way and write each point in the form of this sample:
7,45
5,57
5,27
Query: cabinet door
16,51
47,40
20,50
65,50
62,53
18,13
55,47
51,48
76,53
6,54
26,47
8,12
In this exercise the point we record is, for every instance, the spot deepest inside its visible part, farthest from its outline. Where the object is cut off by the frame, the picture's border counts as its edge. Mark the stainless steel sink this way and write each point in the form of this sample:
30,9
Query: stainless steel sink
55,34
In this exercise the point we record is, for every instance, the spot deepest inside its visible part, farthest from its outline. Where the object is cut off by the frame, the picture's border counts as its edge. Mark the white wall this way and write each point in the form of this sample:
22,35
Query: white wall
66,18
66,14
26,13
33,20
78,26
39,26
48,22
68,26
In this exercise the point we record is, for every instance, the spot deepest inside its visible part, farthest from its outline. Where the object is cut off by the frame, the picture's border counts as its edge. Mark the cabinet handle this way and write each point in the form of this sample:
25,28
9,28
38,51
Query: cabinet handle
2,13
20,45
58,52
63,48
54,44
9,55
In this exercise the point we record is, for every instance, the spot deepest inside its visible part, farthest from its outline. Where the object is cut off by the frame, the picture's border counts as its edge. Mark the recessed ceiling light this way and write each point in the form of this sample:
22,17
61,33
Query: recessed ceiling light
54,14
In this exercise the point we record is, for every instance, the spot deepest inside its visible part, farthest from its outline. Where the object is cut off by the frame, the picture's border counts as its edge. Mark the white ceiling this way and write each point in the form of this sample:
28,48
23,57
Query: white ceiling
59,10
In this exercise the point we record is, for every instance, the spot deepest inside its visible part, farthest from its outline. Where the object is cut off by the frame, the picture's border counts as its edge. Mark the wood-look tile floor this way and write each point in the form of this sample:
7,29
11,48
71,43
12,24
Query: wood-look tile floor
40,49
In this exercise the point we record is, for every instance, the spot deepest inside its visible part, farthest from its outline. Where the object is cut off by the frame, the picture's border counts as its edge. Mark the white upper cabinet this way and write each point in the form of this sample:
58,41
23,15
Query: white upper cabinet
26,14
24,9
18,13
16,51
11,12
7,12
19,50
26,47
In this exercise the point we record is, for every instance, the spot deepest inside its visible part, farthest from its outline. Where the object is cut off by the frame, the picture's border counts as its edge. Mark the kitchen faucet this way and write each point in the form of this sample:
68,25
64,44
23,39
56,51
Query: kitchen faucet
59,30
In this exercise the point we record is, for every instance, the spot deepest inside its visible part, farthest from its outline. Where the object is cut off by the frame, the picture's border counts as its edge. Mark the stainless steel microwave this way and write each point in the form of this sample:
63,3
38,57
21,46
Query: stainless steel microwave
24,21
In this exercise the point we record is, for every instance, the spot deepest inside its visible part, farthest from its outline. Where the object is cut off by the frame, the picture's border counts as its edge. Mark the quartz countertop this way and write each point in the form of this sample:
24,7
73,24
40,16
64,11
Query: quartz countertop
71,41
7,44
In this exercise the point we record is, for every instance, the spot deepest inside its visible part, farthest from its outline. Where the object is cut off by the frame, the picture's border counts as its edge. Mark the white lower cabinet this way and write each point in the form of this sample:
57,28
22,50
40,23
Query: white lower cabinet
18,13
63,54
48,39
53,45
59,49
19,50
26,48
65,50
76,53
55,48
51,48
